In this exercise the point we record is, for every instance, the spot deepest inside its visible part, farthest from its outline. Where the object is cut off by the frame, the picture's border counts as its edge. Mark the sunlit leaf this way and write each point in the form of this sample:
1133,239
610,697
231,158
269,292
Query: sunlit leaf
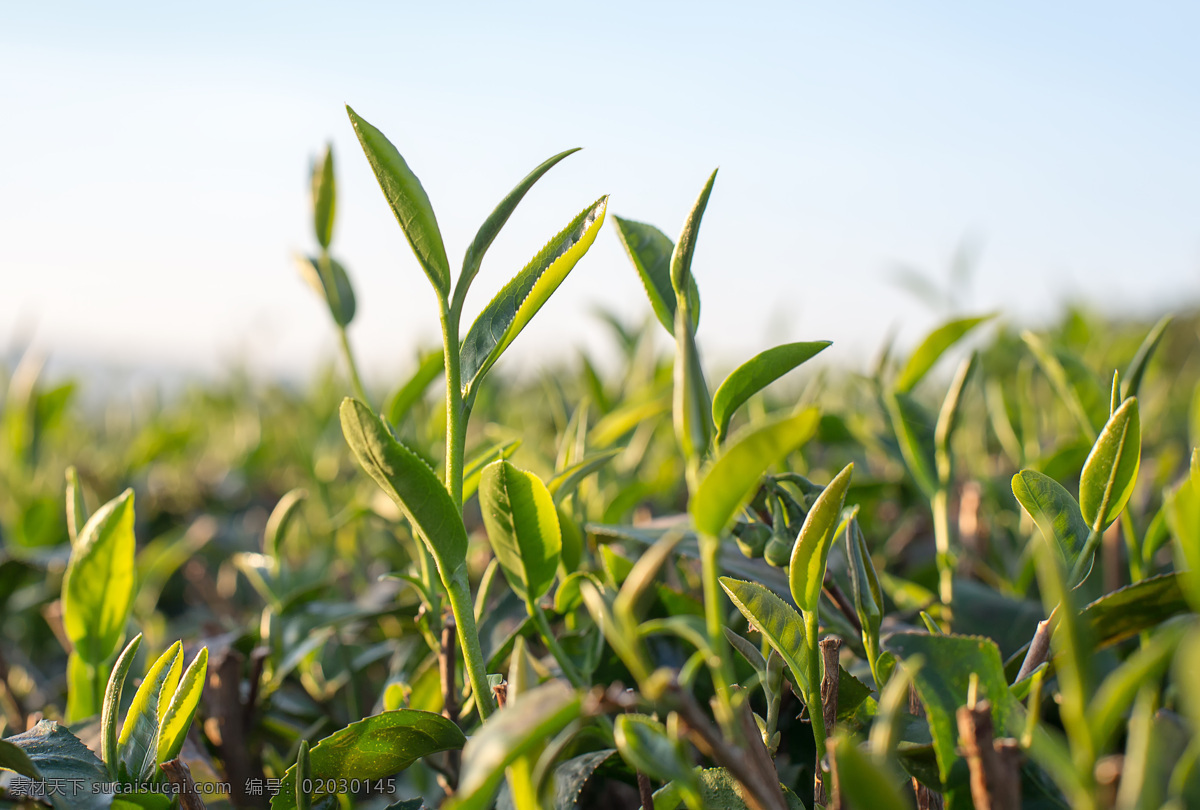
806,572
935,344
522,527
756,374
650,251
98,587
1111,468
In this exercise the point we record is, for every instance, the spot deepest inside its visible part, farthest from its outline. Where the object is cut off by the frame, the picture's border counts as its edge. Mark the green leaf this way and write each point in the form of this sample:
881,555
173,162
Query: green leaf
943,680
56,754
1137,366
373,748
1111,468
1128,611
82,689
182,708
1054,511
112,704
522,526
410,483
864,584
473,470
936,344
520,299
571,781
98,588
514,731
732,479
806,572
756,374
862,782
428,369
681,256
77,512
947,421
643,742
719,790
778,622
564,483
1182,508
492,225
329,279
1118,690
304,777
915,433
137,746
1054,371
281,518
324,197
691,405
650,251
408,202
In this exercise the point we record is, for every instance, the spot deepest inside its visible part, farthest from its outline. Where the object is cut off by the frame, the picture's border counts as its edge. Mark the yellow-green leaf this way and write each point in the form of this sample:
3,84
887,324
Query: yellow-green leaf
182,708
1111,468
522,527
806,572
756,374
98,588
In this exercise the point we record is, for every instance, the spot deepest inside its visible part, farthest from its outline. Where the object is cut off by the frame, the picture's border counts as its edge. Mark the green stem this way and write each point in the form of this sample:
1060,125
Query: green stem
940,506
721,666
816,709
355,380
459,590
560,655
456,413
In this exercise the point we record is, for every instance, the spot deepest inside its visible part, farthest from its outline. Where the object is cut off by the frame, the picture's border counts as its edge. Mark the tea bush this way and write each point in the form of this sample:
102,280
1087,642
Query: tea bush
929,586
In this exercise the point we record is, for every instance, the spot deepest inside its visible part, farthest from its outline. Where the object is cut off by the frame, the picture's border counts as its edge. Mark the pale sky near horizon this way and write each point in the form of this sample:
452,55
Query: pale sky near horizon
153,184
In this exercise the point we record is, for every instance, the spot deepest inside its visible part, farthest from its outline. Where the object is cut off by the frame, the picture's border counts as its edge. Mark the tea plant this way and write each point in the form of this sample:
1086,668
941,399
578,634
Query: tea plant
926,587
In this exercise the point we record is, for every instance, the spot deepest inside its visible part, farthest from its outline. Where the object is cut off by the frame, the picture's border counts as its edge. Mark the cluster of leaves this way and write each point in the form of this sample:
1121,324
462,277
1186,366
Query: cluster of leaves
613,590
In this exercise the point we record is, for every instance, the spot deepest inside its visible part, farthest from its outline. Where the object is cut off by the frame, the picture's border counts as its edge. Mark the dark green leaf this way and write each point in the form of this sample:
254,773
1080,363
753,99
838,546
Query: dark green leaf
520,299
756,374
719,790
329,279
410,483
373,748
492,225
408,202
862,782
57,754
1135,608
98,588
1054,511
644,744
650,251
943,680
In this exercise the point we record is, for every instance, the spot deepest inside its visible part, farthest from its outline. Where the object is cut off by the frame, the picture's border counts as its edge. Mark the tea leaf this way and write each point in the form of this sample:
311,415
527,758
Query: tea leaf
522,527
778,622
137,747
409,482
324,197
1127,611
513,307
756,374
806,572
109,715
681,256
862,782
691,405
1118,690
429,369
643,742
50,753
1054,510
650,251
523,725
936,344
492,225
182,708
408,201
1137,366
328,278
279,521
98,587
373,748
732,479
943,679
1182,508
304,777
1111,468
915,432
564,483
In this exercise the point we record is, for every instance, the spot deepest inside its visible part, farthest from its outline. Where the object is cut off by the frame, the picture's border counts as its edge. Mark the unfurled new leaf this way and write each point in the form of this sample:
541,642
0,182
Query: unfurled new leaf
408,201
98,588
806,573
137,746
1111,468
179,712
513,307
492,225
522,526
109,714
732,479
756,374
932,348
408,481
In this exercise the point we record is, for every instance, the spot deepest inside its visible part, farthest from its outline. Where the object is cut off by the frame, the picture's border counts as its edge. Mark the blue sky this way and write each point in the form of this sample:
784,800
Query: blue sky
153,185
